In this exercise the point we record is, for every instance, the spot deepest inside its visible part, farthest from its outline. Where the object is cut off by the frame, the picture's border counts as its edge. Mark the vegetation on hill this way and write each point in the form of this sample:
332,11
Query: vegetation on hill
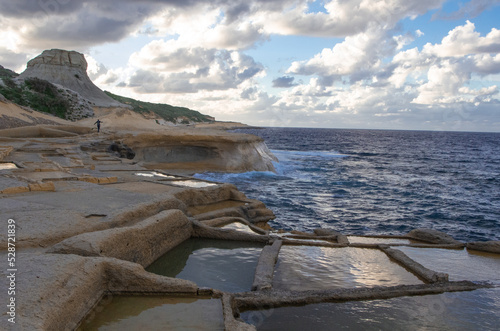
167,112
43,96
7,73
35,93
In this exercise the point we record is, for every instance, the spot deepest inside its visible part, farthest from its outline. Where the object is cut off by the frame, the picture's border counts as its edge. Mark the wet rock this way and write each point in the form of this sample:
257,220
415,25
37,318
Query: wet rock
326,232
424,273
341,239
433,236
264,272
121,150
485,246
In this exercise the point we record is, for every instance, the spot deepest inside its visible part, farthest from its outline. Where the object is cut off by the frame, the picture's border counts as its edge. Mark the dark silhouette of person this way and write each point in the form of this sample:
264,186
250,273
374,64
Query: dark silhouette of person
98,122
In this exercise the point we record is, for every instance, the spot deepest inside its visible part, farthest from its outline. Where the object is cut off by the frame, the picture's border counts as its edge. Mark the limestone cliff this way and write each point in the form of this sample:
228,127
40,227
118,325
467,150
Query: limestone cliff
68,69
202,150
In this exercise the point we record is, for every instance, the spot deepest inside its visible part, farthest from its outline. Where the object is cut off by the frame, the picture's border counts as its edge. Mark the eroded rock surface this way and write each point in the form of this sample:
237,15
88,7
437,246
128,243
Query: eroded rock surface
485,246
68,69
433,236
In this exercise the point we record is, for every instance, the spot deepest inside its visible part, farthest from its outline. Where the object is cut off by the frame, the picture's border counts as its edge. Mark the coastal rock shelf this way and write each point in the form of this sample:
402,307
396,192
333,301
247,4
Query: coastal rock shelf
107,239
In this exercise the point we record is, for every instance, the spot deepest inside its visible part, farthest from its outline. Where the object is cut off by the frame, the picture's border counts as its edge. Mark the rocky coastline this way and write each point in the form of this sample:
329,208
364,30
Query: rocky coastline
86,213
89,219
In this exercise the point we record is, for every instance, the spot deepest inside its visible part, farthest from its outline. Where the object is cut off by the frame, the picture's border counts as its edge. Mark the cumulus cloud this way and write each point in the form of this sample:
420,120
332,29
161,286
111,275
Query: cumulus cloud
344,18
193,54
464,40
167,66
358,56
471,9
284,81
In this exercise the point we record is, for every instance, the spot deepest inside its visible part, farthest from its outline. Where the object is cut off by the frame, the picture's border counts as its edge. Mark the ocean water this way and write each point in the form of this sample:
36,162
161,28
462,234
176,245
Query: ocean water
369,182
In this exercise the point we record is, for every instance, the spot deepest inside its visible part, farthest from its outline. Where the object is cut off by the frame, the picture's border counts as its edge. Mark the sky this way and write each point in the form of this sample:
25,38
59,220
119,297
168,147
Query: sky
367,64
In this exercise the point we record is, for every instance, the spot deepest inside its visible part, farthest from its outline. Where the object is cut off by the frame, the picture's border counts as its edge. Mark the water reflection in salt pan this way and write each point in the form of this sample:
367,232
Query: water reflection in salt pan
318,268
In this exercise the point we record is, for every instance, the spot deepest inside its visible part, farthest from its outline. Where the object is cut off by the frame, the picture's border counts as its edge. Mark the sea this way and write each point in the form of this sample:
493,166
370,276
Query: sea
378,182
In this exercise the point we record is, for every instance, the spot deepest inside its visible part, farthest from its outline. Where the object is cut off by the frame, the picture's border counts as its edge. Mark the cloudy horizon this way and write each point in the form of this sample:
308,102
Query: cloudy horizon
386,64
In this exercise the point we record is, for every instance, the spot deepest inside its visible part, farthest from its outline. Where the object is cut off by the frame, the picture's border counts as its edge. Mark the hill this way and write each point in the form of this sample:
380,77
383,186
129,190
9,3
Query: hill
56,82
167,112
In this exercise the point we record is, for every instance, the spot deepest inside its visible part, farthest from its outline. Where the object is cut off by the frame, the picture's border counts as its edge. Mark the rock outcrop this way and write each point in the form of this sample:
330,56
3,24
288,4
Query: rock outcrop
68,69
485,246
202,150
433,236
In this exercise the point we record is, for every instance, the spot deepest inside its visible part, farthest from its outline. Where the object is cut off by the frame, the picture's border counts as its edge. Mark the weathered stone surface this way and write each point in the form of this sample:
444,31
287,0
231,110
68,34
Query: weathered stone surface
207,150
277,298
47,187
433,236
342,239
5,151
263,279
221,221
142,243
15,190
485,246
231,323
38,131
69,69
326,232
53,292
428,275
201,230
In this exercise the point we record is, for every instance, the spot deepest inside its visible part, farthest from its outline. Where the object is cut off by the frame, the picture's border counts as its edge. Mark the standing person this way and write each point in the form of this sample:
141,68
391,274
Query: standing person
98,122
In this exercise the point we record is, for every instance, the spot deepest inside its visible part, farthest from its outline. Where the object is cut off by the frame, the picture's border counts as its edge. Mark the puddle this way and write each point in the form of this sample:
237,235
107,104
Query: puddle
476,310
196,210
153,174
459,264
291,236
318,268
176,181
7,166
239,227
219,264
155,313
374,240
191,183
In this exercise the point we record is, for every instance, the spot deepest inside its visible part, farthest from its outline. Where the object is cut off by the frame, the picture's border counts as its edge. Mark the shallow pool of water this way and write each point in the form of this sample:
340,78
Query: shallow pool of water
155,313
7,166
302,268
375,240
220,264
239,227
459,264
191,183
476,310
152,174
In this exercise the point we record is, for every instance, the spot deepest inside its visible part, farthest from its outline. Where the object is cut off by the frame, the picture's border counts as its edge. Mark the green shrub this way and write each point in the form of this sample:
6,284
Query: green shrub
38,94
42,86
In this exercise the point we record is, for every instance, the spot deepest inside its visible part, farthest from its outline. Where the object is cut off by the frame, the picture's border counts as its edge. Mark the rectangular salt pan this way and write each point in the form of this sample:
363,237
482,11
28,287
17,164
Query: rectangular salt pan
459,264
219,264
155,313
475,310
320,268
